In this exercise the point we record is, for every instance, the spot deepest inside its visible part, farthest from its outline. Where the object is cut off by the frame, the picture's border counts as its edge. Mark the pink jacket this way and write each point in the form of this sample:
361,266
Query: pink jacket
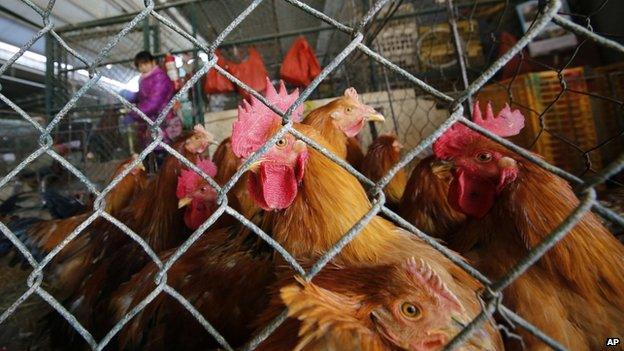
155,91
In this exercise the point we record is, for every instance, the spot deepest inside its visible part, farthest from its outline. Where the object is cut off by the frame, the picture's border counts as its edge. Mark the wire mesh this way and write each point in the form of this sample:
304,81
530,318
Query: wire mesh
356,43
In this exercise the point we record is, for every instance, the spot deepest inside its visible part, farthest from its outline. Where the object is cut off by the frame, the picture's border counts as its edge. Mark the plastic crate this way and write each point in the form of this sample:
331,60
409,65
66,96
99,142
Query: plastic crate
568,119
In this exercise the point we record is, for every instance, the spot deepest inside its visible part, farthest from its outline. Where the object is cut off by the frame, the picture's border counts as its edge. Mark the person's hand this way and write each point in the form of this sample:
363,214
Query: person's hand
127,94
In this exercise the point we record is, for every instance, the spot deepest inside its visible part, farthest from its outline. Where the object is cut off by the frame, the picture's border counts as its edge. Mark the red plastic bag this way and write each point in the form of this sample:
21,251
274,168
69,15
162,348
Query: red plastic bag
300,65
216,83
251,72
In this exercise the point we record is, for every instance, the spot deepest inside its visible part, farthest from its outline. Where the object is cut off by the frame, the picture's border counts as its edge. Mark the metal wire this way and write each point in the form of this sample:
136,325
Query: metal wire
547,15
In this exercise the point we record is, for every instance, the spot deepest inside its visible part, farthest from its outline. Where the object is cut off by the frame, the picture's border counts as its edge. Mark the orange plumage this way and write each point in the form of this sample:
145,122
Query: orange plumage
43,237
329,202
340,121
386,307
574,292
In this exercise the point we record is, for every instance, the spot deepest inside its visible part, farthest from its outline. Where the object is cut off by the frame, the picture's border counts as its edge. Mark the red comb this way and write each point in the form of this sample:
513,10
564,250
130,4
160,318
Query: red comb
188,179
507,123
255,120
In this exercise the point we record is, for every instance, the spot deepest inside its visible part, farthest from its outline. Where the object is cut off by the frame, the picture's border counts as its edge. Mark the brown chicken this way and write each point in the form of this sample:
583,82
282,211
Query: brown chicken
109,257
223,275
355,155
574,292
424,202
387,307
311,202
41,237
125,191
341,119
382,155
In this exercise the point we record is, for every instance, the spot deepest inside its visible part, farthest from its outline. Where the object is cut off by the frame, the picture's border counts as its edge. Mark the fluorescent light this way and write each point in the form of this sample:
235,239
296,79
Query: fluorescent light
36,61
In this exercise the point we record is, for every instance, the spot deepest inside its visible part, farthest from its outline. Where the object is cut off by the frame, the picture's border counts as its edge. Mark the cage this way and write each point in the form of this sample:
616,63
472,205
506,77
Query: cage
419,63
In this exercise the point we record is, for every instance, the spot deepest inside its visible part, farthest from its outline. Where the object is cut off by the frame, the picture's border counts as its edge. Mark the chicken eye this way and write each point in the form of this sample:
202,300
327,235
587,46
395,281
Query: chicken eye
281,143
484,157
349,109
203,189
409,310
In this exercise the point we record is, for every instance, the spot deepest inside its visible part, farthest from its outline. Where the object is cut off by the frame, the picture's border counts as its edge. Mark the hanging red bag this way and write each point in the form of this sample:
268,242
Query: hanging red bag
251,72
300,65
216,83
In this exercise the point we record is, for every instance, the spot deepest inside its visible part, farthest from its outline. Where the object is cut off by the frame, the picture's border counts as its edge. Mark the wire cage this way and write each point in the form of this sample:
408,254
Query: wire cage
420,63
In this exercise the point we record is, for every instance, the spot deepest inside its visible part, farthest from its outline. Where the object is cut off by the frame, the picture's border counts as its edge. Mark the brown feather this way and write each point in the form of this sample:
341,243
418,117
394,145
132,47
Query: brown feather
221,275
382,155
574,293
330,202
424,202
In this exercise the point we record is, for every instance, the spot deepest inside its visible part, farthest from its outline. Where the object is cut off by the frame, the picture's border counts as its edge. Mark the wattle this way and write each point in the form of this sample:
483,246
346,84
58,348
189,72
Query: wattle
196,214
354,129
471,195
274,186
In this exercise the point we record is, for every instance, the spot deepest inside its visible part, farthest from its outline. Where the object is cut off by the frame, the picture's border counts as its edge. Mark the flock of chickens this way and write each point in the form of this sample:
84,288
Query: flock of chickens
386,289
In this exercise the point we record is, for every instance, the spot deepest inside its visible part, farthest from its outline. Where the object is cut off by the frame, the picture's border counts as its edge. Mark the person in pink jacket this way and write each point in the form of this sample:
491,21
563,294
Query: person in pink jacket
155,92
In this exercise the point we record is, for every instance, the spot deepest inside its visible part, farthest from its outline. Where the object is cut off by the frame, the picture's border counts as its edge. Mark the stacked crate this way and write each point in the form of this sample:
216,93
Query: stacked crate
568,119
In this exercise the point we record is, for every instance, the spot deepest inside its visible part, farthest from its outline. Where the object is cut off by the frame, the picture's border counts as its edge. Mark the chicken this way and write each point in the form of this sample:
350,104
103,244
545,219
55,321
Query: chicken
382,155
355,155
341,119
194,191
387,307
574,292
311,202
40,237
224,275
125,191
424,202
108,257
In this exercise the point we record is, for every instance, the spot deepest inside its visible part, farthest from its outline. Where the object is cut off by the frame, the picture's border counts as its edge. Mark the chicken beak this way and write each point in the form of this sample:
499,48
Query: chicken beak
375,117
141,166
212,142
507,162
184,202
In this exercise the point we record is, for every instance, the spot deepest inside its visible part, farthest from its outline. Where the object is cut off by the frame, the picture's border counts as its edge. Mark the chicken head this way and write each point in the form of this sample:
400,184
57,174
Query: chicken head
275,177
482,168
351,114
196,194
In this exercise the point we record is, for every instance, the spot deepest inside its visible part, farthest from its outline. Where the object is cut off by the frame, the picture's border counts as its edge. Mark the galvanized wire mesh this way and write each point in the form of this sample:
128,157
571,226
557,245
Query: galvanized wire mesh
356,45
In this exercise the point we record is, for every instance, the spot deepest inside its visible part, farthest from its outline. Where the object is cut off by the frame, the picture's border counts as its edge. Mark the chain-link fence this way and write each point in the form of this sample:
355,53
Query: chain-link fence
468,81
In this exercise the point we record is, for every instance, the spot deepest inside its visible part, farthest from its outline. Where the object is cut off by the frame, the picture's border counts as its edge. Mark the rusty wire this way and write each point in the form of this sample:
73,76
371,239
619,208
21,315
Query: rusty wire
548,14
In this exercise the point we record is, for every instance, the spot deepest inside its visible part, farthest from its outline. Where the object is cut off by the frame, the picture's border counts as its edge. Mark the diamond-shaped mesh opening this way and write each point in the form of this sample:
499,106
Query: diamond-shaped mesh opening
366,47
